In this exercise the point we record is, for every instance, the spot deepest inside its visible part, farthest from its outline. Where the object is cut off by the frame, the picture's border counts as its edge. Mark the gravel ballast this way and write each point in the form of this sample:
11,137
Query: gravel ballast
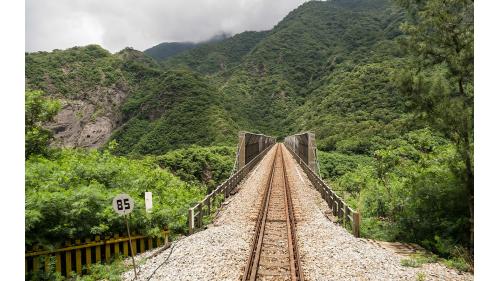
327,250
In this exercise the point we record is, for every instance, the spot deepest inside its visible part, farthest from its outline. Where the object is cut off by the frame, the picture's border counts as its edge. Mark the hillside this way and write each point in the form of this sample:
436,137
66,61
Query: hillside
212,57
126,95
92,85
266,81
165,50
173,109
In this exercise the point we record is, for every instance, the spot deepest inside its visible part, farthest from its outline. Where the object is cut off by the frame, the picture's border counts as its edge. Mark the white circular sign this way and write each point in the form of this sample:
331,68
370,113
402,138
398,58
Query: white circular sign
123,204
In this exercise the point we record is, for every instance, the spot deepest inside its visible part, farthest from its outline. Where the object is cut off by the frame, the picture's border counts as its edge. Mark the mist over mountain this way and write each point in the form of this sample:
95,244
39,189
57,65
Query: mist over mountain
165,50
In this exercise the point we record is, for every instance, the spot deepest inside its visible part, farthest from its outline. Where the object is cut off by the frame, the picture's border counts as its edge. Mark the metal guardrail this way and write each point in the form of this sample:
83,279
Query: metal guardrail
340,209
215,199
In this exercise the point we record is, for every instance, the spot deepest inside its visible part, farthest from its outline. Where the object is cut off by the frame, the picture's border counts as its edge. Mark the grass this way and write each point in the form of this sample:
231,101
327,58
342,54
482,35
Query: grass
111,272
416,260
420,276
457,262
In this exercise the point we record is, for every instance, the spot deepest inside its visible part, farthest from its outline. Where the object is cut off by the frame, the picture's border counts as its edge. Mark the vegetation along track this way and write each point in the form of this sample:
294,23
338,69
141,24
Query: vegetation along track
274,254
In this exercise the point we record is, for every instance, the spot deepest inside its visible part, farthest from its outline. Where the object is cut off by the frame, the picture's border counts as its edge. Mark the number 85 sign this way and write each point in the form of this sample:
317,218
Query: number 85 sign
123,204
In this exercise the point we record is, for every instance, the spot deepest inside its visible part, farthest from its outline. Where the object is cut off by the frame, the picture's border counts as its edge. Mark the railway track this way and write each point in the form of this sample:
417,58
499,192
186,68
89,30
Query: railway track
274,254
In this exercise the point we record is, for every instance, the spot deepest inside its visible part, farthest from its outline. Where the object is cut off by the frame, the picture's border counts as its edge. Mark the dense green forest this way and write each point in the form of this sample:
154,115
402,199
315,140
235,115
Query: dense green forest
387,86
165,50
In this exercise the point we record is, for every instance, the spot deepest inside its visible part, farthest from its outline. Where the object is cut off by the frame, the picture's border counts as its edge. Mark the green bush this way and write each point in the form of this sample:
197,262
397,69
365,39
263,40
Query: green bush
110,272
407,192
201,165
69,195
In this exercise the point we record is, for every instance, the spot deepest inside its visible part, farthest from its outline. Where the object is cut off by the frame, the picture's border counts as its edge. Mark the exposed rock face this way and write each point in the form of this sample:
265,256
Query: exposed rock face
88,122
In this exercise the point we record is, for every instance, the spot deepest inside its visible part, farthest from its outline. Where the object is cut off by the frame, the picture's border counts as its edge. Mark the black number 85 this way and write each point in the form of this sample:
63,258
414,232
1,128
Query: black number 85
122,205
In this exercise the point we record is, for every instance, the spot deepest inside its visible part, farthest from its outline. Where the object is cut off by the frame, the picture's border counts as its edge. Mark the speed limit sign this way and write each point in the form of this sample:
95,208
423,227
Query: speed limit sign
123,204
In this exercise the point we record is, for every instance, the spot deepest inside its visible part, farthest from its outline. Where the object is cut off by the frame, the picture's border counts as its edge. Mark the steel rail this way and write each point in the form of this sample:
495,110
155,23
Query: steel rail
253,261
296,268
252,266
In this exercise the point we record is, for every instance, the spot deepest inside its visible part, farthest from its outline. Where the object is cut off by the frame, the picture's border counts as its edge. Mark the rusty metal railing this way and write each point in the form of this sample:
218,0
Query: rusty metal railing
214,200
345,214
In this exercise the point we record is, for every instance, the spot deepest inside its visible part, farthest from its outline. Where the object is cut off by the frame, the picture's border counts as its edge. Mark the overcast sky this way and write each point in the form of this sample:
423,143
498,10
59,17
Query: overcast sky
116,24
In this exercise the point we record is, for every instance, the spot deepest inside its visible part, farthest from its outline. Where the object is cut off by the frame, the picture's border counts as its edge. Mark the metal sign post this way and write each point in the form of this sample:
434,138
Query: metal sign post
123,205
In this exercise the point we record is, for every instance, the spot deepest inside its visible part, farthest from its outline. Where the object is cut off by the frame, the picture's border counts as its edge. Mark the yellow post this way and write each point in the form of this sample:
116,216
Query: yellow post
141,244
107,252
158,242
165,237
68,259
47,263
134,246
98,250
125,248
36,260
36,263
150,243
88,254
78,259
117,245
58,262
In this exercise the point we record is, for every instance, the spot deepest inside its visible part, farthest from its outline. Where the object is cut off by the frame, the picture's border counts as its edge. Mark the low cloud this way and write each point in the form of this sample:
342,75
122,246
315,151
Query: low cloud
116,24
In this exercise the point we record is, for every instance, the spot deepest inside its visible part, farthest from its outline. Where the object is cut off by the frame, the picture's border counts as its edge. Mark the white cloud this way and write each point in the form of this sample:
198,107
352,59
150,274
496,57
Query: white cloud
115,24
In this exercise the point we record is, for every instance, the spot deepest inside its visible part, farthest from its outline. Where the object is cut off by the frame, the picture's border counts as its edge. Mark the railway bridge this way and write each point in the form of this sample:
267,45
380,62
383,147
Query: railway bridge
274,218
274,253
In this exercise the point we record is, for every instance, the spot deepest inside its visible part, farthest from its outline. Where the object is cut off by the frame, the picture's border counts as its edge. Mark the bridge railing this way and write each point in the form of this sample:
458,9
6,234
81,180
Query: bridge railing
203,209
250,145
345,214
304,145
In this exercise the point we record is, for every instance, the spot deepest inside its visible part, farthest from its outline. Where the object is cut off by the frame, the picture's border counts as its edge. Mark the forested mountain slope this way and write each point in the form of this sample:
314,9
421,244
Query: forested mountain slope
128,95
173,109
212,57
92,85
165,50
306,51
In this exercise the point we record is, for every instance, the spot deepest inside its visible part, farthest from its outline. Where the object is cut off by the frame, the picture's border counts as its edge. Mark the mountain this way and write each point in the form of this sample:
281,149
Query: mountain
324,67
128,97
165,50
216,56
91,83
173,109
336,51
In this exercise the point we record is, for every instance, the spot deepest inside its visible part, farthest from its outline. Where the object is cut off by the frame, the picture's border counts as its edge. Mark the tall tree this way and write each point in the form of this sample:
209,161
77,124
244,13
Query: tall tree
38,110
439,77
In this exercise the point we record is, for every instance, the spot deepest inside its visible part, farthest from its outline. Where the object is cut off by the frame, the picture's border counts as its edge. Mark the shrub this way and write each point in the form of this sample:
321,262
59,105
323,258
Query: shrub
69,195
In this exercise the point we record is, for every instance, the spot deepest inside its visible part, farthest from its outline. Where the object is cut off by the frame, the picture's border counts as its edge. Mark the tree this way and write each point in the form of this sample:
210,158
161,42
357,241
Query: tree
38,110
439,77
